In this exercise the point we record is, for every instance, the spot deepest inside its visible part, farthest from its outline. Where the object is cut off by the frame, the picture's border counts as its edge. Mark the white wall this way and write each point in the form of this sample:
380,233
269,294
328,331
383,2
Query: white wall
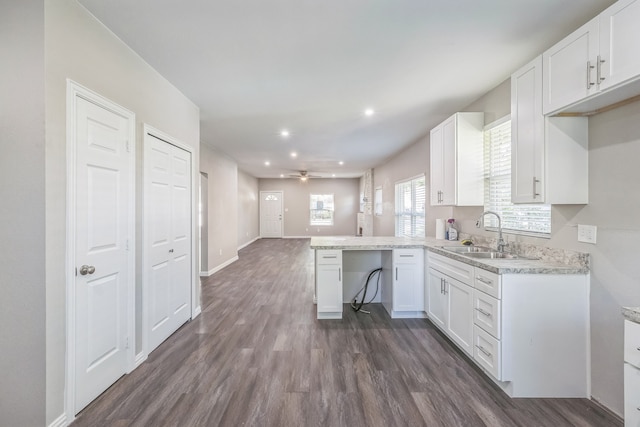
296,204
248,215
79,47
22,220
222,215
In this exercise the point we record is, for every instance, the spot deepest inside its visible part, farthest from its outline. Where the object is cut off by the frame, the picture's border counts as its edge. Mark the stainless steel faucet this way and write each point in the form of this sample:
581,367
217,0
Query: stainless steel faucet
501,243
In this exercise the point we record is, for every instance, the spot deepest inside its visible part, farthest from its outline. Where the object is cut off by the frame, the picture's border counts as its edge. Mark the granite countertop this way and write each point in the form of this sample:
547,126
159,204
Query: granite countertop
631,313
498,266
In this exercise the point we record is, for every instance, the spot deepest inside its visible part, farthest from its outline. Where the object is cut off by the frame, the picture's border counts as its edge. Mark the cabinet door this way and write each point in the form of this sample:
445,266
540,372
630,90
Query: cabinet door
619,43
460,314
329,292
435,173
408,280
437,308
570,68
631,395
449,162
527,134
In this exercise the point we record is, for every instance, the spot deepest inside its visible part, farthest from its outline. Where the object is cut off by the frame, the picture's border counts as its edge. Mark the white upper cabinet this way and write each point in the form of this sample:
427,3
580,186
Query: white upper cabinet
456,166
549,155
584,71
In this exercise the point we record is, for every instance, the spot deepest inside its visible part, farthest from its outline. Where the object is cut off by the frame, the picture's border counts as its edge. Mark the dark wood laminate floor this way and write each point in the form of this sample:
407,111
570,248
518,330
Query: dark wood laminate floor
257,356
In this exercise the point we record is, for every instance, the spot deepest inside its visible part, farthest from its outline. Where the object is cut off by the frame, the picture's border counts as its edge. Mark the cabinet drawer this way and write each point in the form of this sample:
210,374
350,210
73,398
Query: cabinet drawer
407,256
486,313
631,395
329,257
632,343
487,282
487,352
452,268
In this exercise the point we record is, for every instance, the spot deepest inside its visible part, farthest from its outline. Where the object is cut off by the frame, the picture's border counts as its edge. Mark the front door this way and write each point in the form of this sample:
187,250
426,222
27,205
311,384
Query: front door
168,238
103,239
271,214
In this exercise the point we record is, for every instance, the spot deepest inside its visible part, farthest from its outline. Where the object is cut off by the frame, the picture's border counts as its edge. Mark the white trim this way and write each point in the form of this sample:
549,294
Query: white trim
249,242
61,421
219,267
74,91
151,132
420,175
281,212
303,237
197,312
140,358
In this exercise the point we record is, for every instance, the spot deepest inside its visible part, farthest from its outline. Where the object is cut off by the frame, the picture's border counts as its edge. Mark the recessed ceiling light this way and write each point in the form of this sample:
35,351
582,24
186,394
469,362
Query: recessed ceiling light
267,163
341,163
333,175
369,112
281,175
284,133
294,154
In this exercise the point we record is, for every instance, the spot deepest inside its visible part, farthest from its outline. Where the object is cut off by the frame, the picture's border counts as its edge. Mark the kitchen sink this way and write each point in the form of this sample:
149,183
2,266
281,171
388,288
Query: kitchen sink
467,249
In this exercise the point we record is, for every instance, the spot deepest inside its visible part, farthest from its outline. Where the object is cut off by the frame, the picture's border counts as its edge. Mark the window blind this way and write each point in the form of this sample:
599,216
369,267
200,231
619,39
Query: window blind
410,208
497,166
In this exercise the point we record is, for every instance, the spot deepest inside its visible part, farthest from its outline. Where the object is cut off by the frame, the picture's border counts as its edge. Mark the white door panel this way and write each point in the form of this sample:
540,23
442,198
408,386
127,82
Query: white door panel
168,221
271,214
102,193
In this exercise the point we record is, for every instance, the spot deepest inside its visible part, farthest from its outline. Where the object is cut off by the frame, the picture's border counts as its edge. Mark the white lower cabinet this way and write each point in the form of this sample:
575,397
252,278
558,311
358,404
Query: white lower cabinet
510,325
329,284
408,281
631,374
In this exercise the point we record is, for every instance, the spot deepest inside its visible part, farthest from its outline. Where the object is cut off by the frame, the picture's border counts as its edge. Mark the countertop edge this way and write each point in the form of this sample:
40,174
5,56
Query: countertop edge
631,313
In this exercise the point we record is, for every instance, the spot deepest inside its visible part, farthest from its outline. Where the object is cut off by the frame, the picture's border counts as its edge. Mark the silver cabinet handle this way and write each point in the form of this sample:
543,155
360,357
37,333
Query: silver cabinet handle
445,287
535,193
339,275
481,311
485,352
599,70
396,273
441,285
589,68
329,256
483,280
406,256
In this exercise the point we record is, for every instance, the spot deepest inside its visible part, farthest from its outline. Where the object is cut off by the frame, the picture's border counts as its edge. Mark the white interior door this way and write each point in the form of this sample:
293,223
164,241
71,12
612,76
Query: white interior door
103,234
271,214
168,242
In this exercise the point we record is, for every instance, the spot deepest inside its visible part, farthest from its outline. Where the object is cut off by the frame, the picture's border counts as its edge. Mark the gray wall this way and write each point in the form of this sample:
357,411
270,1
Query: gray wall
22,220
248,215
296,205
79,47
222,215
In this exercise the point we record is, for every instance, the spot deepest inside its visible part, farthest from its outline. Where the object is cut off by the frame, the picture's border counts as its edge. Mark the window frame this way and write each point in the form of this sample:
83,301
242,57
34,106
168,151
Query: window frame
416,216
331,210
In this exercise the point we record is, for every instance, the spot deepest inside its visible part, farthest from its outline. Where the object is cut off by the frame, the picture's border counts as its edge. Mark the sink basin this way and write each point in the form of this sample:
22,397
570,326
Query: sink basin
495,255
467,249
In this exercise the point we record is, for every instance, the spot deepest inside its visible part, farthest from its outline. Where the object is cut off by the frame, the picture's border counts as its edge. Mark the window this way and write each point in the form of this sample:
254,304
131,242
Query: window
535,218
321,209
410,201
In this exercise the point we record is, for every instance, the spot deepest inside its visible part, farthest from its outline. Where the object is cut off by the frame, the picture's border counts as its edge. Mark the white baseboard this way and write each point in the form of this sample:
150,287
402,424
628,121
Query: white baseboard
61,421
218,268
196,312
248,243
297,237
140,358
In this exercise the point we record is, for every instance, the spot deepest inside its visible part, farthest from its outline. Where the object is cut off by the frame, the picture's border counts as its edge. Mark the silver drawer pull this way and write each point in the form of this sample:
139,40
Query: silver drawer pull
329,256
486,313
406,256
481,348
483,280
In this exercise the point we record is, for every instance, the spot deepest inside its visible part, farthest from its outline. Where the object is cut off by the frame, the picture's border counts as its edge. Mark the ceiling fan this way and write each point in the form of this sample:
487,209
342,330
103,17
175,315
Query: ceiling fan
303,175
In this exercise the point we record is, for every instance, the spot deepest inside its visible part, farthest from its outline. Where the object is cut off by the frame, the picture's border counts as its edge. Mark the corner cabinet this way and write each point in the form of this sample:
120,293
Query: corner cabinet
631,373
508,325
598,56
456,172
329,284
549,155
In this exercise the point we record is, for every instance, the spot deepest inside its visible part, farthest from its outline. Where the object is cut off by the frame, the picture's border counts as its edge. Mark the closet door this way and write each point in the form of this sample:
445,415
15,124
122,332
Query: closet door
168,241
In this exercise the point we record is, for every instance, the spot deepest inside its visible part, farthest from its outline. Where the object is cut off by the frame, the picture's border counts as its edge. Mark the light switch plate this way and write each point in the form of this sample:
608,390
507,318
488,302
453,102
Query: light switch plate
587,233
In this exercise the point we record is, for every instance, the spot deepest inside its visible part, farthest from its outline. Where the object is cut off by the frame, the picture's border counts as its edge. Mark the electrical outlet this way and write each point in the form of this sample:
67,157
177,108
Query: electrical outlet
587,233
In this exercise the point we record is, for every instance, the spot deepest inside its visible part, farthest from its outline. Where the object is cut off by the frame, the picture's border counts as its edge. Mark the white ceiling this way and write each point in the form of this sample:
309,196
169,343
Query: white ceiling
255,67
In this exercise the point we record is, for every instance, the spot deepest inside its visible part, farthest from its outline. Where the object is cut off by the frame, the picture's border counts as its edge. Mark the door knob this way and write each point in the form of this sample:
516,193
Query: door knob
87,269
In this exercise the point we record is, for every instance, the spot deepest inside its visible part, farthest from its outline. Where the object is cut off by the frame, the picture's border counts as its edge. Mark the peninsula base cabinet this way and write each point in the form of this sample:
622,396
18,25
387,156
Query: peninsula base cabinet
329,284
631,374
528,332
403,283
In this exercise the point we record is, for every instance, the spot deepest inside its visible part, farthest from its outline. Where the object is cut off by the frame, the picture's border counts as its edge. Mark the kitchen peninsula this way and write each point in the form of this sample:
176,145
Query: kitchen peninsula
524,321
